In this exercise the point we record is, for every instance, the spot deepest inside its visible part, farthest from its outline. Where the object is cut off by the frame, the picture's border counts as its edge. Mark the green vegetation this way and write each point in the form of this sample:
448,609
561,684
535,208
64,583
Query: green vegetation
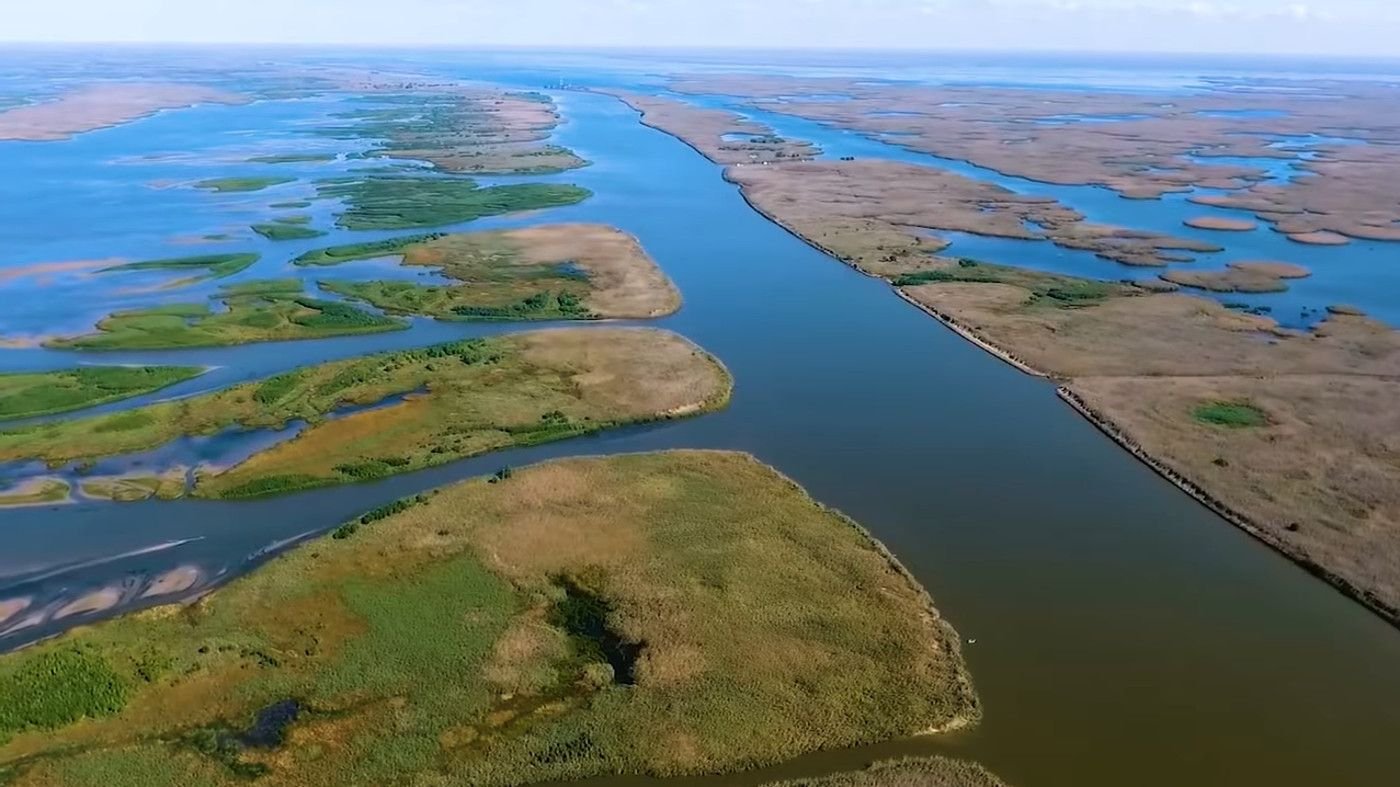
240,184
391,203
259,311
293,158
401,297
911,772
55,688
216,266
1234,415
292,204
455,400
29,394
284,231
1065,292
334,255
662,614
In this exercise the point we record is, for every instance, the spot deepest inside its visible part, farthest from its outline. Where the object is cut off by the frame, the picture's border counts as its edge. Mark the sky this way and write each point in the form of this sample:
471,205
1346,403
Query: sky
1301,27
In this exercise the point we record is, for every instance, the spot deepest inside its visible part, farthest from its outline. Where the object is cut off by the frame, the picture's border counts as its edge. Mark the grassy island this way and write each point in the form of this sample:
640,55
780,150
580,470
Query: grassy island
241,184
293,158
258,311
437,404
403,202
215,266
29,394
667,613
560,271
283,230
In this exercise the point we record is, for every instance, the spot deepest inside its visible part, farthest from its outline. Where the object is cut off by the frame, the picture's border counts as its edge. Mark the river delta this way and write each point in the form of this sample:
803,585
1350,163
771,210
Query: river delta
1107,621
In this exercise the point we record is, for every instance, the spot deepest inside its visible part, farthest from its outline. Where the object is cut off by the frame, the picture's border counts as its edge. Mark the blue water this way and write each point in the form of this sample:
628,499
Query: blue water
1124,635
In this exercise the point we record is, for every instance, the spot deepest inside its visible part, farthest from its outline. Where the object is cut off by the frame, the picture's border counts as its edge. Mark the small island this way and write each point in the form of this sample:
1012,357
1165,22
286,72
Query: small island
553,271
396,202
256,311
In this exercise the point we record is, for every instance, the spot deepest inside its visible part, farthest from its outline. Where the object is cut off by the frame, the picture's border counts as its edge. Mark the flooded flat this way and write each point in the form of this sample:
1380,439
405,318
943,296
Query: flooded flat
1118,633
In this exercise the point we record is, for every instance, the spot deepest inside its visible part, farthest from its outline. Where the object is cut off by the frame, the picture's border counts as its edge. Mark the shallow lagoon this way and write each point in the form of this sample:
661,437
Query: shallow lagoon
1124,634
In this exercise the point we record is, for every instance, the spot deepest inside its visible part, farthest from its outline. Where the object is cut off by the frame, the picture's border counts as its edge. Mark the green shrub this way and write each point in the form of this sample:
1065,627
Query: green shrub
59,687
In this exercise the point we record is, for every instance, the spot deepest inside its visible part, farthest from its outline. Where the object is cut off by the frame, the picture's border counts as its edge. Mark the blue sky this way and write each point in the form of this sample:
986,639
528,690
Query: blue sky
1357,27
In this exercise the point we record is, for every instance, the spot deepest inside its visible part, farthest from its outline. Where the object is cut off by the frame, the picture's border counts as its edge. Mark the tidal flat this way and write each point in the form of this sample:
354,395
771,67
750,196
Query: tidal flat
453,401
577,618
551,271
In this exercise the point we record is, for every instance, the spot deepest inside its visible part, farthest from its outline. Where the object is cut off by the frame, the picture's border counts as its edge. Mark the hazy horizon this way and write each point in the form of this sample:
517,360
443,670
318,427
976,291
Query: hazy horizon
1339,28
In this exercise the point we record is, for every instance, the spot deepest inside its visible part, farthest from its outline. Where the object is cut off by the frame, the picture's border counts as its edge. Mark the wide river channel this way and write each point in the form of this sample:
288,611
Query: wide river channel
1118,633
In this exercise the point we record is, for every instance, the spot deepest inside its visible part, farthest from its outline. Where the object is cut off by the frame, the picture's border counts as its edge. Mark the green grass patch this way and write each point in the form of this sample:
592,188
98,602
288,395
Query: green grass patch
391,203
241,184
1234,415
1047,289
300,203
29,394
280,231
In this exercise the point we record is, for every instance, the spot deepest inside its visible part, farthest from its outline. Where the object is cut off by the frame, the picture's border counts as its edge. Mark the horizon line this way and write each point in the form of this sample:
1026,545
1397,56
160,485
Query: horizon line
784,48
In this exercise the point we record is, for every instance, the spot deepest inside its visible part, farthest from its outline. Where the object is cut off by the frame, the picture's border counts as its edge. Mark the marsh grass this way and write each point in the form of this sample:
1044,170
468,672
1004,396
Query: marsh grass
403,202
217,266
548,272
258,311
29,394
422,648
462,399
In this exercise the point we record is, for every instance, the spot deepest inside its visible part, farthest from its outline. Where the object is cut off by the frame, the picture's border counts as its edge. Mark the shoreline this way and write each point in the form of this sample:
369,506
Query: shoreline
1105,425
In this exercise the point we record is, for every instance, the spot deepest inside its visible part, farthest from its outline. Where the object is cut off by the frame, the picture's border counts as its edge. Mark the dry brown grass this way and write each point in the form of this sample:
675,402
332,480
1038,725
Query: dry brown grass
827,198
1156,151
705,129
625,281
101,105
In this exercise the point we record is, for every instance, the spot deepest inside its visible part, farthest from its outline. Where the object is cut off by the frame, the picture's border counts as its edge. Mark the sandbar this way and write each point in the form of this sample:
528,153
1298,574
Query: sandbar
103,105
1221,224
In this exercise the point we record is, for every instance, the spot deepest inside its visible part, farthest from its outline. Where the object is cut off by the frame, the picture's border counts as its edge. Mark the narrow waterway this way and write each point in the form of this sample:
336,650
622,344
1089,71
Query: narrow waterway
1124,635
